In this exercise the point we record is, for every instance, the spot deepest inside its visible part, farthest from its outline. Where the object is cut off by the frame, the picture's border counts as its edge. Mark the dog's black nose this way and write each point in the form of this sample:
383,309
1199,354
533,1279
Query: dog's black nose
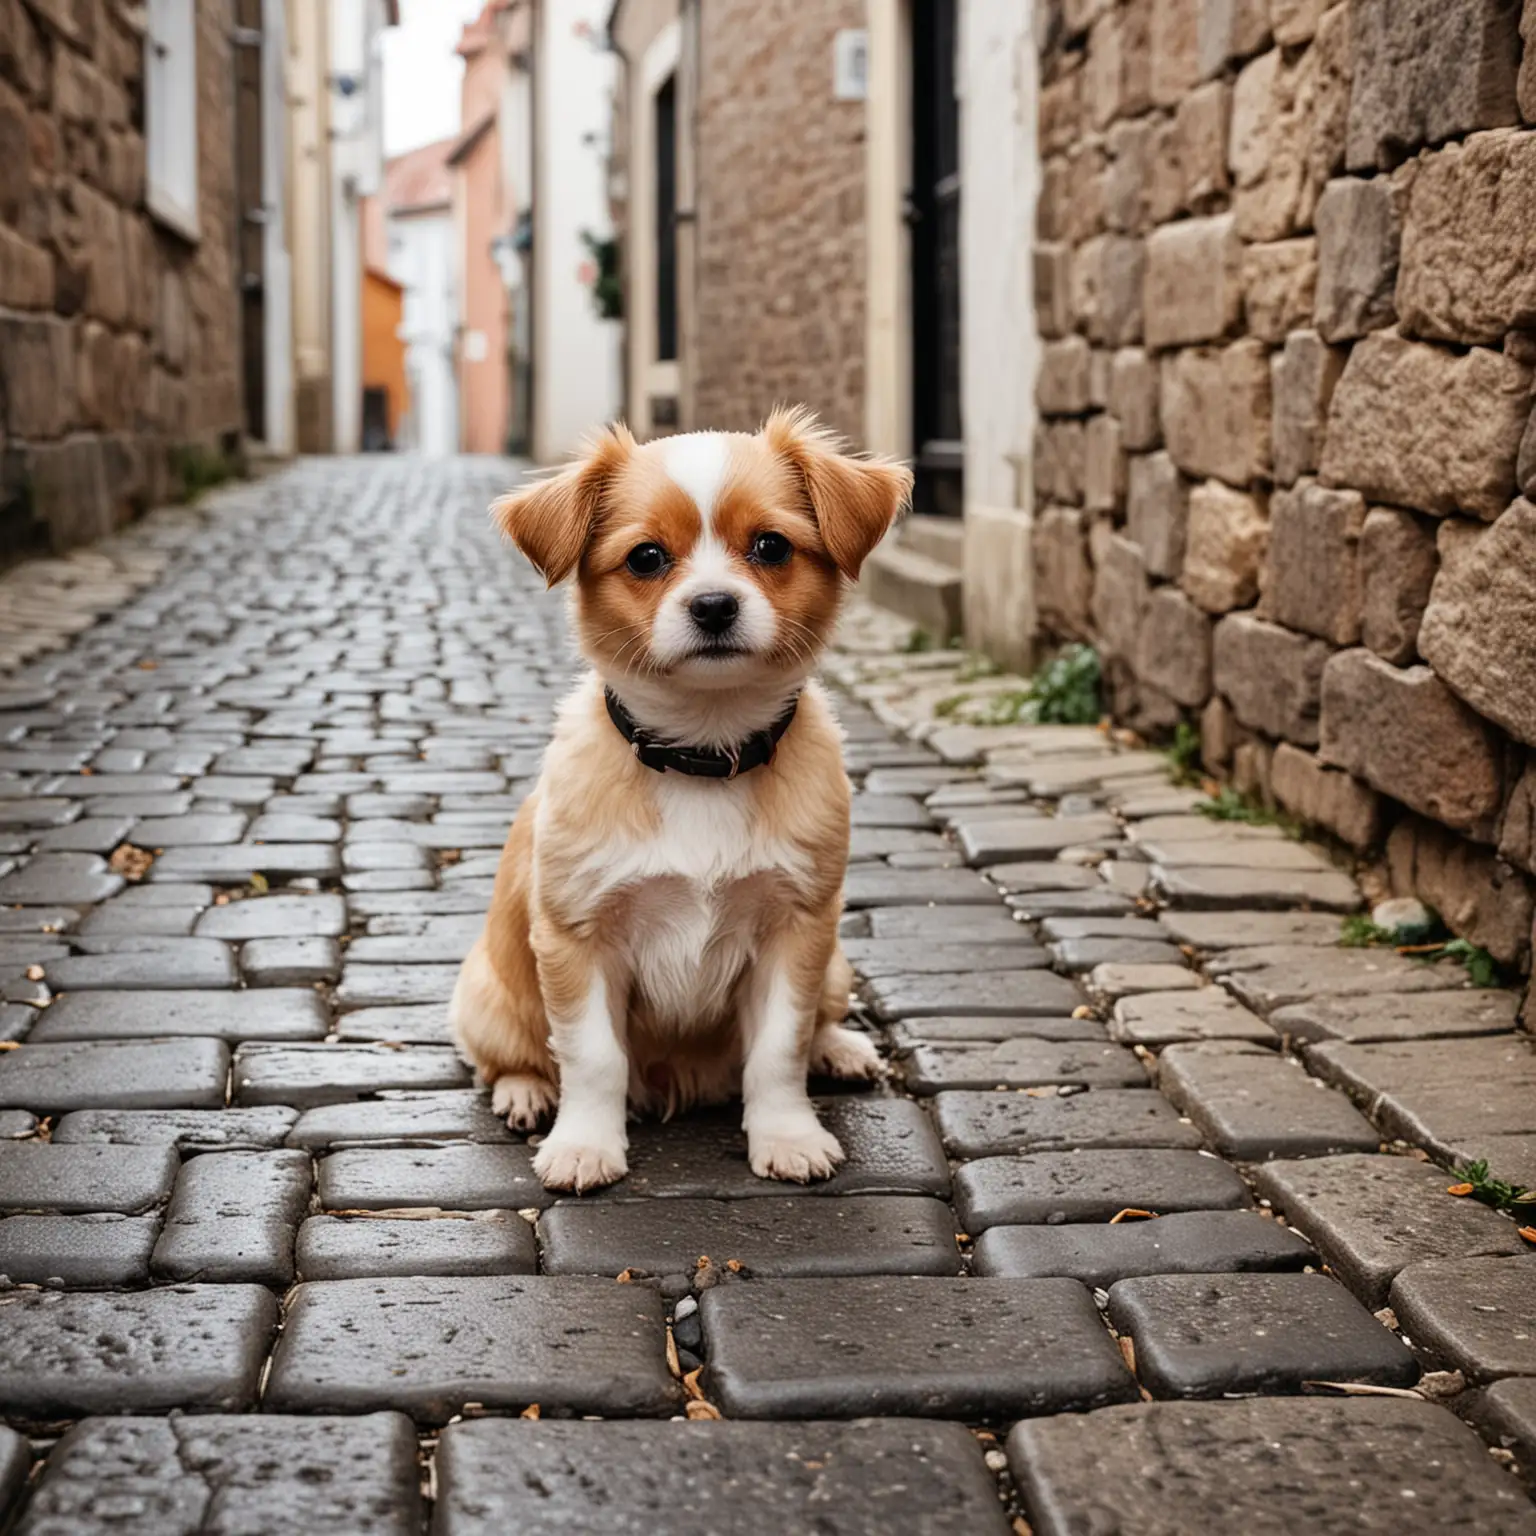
714,612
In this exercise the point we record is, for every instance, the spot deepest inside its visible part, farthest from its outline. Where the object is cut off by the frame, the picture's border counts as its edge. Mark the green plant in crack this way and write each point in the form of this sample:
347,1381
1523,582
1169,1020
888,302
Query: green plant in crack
1229,805
918,642
1184,755
1478,1183
1357,931
1482,969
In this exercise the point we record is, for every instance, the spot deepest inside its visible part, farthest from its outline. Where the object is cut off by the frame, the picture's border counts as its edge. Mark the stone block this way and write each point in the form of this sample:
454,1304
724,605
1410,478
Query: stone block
1128,174
1061,112
1062,575
1397,567
1174,41
1133,398
1053,290
1157,512
1215,407
1311,579
1359,227
1060,461
1224,547
1062,388
1295,21
1103,464
1479,896
1231,29
1422,427
1107,277
1405,733
1472,1315
1103,72
26,273
1325,797
1268,150
1279,286
1173,648
1525,86
1426,72
37,375
1479,630
1194,282
1198,147
1517,824
1271,676
1303,375
977,1124
1119,596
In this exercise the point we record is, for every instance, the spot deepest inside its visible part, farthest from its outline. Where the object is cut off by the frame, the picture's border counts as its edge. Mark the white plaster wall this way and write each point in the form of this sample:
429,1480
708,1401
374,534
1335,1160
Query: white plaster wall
576,355
421,258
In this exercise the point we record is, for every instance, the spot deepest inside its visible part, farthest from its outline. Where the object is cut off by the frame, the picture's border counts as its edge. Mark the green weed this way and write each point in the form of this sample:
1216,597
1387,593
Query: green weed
1184,755
1499,1193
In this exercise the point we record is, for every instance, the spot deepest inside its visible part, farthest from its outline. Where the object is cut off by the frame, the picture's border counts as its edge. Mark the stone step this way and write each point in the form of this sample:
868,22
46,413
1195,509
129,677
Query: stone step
916,586
939,538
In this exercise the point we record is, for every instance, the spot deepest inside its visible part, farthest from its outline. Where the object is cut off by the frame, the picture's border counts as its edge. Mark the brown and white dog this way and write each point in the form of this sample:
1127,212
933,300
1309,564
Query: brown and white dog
663,938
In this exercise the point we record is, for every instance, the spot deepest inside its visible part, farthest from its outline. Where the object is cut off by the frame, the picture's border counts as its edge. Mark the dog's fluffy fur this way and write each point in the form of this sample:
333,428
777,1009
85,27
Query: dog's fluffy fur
657,940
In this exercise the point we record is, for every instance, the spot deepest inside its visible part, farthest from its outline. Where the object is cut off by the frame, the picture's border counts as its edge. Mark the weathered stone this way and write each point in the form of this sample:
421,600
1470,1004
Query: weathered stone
968,1348
188,1130
464,1176
1174,43
584,1346
1359,226
1302,377
1173,647
164,964
1238,930
493,1242
1161,1018
275,1015
872,886
60,879
1095,1186
1311,578
1022,1062
1405,733
37,1176
1119,595
1157,513
1414,1462
1062,387
1274,194
1194,282
1369,1216
1235,853
1271,676
1424,73
1209,889
307,1075
1208,1335
401,1119
1231,29
1475,1316
1063,577
1400,1016
114,1074
277,917
1103,465
1226,535
187,1347
236,863
777,1238
1479,630
1052,274
1279,286
1215,408
1295,21
980,1124
1254,1105
1270,976
1398,563
1018,993
241,1473
1133,398
1506,1411
1422,427
861,1479
99,1252
1325,797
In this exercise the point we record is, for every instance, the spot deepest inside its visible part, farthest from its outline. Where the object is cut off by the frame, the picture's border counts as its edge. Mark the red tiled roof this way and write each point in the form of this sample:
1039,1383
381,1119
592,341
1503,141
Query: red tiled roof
420,178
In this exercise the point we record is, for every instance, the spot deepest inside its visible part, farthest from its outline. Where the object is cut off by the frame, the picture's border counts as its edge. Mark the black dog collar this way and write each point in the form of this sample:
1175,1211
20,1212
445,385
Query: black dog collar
699,762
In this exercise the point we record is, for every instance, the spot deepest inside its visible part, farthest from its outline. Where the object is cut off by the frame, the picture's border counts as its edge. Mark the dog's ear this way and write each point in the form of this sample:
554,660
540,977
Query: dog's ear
854,500
551,520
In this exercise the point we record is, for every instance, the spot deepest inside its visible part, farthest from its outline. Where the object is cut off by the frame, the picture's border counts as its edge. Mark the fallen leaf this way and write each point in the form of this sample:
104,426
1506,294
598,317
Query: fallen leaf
1082,1011
1128,1351
259,883
1459,1189
1528,1233
130,862
149,666
673,1363
10,1045
36,973
734,1265
1363,1389
530,1412
625,1276
691,1384
699,1409
1132,1213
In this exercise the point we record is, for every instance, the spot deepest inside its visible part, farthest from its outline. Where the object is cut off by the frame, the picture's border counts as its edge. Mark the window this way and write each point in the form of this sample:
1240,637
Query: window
666,221
170,114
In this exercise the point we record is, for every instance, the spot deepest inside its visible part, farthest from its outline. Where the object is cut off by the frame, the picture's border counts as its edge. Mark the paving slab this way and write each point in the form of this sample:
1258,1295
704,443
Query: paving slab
1506,1414
907,1034
779,1237
1232,853
275,917
233,1217
188,1130
64,1355
418,1024
347,1248
442,948
172,964
1253,1104
984,1124
112,919
1100,901
91,834
1370,1217
1037,875
1434,1096
1476,1316
1023,1063
889,811
303,962
15,1468
280,1014
1206,888
1093,1185
1163,1018
908,995
1271,976
402,1119
875,886
892,957
374,986
1078,956
1056,929
866,1478
971,1349
114,1074
1009,839
306,1075
1243,930
41,1176
230,1474
96,1252
1512,1158
236,863
198,829
1401,1016
1112,979
940,925
1187,1243
59,880
1271,1465
1212,1335
465,1176
427,1346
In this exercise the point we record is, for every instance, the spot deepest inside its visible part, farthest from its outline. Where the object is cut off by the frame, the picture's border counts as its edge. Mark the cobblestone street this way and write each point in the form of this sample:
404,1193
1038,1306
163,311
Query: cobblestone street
271,1264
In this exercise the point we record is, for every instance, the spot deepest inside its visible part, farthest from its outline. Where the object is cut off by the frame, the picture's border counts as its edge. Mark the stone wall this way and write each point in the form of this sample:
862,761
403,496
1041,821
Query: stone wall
1286,269
780,216
119,340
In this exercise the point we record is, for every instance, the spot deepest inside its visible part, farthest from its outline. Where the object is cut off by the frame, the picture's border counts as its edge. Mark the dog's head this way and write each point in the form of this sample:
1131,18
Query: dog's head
715,559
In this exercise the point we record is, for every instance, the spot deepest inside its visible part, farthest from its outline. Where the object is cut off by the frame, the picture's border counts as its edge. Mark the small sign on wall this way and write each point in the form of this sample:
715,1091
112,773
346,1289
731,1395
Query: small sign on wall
850,64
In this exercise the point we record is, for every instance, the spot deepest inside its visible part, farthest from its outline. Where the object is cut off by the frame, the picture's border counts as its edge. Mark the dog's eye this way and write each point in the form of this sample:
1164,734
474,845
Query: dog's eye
771,549
646,560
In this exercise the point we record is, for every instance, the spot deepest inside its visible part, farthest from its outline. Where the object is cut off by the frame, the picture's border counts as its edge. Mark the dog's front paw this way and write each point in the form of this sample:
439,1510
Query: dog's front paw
839,1052
798,1156
564,1164
523,1098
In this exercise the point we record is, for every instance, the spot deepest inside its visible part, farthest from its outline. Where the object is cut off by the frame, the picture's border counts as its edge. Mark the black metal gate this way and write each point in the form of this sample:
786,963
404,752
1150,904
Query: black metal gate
933,211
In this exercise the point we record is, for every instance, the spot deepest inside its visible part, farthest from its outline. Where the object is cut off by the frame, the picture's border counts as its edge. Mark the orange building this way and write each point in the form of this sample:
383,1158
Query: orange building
386,396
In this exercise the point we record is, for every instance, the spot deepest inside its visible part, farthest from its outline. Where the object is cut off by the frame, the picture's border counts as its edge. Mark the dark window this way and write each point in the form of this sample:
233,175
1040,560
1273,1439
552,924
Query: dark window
666,222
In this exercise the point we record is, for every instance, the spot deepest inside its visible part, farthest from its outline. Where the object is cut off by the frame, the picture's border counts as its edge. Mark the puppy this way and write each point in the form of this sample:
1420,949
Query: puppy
663,930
